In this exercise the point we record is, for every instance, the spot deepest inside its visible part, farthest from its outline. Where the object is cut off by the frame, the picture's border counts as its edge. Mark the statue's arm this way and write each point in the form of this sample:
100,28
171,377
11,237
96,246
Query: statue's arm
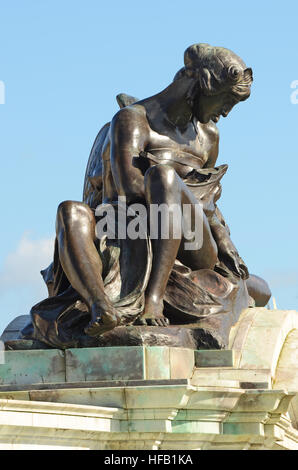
221,219
227,251
128,137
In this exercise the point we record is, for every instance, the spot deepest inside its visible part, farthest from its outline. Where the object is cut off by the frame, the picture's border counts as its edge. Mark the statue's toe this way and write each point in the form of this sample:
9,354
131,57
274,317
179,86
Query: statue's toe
152,321
164,321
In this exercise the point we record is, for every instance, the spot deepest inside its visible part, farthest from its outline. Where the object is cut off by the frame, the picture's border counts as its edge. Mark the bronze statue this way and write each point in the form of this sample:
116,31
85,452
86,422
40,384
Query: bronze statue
159,150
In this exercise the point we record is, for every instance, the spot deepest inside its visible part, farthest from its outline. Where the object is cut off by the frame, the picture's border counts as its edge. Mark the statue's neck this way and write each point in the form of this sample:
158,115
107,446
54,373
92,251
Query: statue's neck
176,102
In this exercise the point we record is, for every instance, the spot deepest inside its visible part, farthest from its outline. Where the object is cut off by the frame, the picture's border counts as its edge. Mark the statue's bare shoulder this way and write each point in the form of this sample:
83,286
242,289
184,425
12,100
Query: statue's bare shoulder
130,117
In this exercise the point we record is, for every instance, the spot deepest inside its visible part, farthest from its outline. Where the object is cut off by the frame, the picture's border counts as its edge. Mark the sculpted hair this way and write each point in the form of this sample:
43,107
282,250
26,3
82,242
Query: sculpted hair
217,69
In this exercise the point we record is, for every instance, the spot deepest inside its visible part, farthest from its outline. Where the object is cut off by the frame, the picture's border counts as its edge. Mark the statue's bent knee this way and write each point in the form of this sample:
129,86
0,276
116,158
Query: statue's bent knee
70,212
163,174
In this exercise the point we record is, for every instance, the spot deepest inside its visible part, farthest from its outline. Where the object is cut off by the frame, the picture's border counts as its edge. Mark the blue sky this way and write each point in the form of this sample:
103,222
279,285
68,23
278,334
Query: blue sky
63,63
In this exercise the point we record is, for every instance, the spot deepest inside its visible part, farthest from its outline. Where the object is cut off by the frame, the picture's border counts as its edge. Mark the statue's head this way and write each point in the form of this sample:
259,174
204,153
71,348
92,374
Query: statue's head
220,80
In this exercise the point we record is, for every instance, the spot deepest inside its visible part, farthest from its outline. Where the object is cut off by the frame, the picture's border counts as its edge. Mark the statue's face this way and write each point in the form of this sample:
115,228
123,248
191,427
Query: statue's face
212,107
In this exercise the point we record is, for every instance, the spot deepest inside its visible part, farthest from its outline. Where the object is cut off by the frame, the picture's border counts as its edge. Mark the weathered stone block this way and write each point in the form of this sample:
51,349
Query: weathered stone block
182,362
214,358
32,367
157,396
157,360
244,429
110,363
196,427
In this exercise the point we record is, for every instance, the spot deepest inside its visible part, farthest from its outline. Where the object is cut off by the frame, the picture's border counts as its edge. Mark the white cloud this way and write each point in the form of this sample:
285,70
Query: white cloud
22,267
21,284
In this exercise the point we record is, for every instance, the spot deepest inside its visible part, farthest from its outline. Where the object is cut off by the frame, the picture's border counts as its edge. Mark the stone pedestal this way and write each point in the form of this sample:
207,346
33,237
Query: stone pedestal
158,397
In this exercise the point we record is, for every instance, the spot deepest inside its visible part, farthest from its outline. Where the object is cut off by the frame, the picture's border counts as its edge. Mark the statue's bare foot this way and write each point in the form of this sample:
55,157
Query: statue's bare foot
102,320
152,315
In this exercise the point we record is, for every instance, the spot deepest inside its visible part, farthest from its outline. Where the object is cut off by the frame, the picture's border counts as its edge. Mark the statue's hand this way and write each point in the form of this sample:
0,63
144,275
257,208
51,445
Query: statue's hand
236,264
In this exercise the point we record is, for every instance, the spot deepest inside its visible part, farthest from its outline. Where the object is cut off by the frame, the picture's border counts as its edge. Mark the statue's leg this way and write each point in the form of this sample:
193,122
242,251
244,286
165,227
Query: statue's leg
75,228
164,186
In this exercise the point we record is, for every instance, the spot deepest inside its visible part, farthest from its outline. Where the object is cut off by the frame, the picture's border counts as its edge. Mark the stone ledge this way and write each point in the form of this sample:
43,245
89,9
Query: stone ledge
118,363
31,367
91,385
162,418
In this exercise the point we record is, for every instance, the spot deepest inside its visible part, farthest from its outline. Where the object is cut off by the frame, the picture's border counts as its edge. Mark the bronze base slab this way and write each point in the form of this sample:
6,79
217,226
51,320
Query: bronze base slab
179,336
173,336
